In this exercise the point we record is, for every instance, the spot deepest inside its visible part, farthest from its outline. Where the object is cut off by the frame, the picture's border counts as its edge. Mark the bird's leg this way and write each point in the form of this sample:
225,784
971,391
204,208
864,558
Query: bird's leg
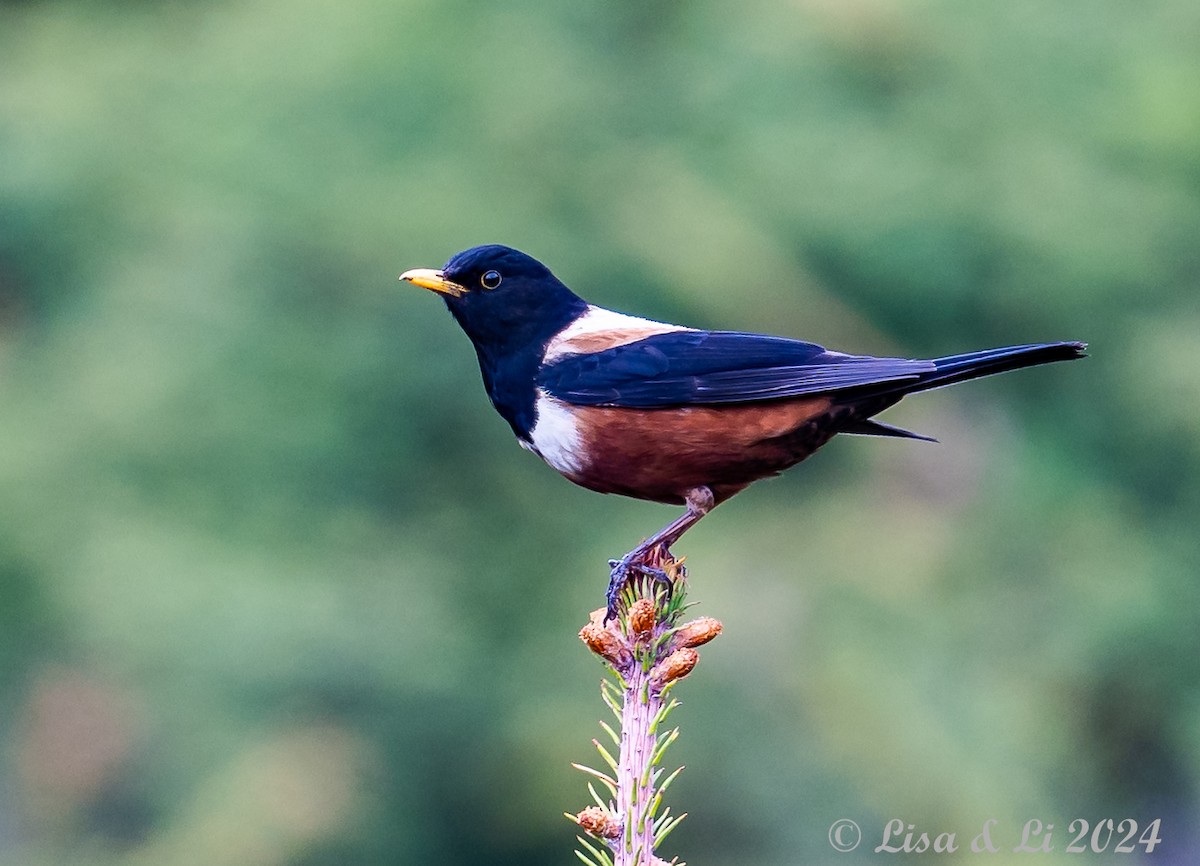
700,501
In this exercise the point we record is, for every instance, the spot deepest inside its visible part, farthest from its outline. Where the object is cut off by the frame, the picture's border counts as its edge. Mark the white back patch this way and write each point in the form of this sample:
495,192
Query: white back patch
597,320
555,436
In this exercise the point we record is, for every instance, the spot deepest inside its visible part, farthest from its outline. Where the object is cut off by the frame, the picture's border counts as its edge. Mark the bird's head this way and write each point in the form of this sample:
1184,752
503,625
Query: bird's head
503,299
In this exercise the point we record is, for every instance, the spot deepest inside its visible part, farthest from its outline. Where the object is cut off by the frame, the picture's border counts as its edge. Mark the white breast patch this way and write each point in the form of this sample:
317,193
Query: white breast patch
555,436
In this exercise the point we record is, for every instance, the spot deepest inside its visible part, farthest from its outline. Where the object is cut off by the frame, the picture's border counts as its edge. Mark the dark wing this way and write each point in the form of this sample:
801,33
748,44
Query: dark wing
684,368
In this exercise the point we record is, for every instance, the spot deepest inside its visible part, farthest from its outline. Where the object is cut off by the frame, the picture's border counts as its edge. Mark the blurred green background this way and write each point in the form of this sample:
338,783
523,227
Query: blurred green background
277,586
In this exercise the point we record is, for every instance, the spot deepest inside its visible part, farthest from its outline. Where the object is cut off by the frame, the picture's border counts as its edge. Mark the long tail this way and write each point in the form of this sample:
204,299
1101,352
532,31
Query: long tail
953,368
959,368
972,365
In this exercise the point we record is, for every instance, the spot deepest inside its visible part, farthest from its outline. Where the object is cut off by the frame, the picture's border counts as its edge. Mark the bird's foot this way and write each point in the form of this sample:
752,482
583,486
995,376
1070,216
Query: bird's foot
631,565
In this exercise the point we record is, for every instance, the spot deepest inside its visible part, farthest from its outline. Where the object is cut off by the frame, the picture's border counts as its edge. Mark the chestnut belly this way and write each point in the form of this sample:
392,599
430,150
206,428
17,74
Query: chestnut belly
660,454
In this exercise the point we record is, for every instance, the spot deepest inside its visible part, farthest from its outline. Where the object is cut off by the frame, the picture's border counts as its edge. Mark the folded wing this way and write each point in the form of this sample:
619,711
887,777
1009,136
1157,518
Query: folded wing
684,368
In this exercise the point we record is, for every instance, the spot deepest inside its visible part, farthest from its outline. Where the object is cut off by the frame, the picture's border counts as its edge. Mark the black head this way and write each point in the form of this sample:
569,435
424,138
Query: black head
510,305
505,300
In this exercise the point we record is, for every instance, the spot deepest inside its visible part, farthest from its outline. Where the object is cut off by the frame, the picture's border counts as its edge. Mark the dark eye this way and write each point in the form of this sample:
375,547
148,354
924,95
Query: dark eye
491,279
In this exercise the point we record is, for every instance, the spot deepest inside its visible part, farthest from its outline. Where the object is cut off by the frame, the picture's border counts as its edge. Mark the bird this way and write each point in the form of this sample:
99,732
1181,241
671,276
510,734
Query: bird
686,416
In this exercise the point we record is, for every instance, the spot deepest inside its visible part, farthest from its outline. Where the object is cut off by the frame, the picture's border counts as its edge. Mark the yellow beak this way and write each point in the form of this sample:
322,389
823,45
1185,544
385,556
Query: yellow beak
435,281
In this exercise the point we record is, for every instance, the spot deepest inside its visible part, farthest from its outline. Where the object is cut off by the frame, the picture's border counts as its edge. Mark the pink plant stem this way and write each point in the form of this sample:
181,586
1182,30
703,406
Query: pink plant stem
648,652
641,706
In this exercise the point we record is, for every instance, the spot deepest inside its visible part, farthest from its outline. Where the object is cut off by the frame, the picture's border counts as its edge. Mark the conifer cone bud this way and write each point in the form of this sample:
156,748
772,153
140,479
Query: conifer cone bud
674,667
697,632
599,822
605,643
641,617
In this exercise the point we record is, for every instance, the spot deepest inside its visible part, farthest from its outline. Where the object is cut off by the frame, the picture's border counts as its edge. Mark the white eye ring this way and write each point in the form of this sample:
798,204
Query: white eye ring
491,279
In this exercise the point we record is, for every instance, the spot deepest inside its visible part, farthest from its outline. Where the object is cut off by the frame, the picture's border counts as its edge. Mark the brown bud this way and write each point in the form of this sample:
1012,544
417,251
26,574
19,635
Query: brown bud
697,632
675,666
599,822
604,643
641,617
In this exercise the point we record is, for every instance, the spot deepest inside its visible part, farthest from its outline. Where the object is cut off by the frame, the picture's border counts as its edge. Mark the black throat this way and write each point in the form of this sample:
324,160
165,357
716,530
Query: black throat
511,348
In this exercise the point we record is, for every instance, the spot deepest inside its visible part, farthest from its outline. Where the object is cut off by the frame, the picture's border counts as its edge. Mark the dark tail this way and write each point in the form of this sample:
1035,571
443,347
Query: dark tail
959,368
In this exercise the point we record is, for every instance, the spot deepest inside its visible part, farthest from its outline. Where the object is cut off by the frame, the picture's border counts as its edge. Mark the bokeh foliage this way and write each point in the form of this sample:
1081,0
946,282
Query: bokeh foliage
276,587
